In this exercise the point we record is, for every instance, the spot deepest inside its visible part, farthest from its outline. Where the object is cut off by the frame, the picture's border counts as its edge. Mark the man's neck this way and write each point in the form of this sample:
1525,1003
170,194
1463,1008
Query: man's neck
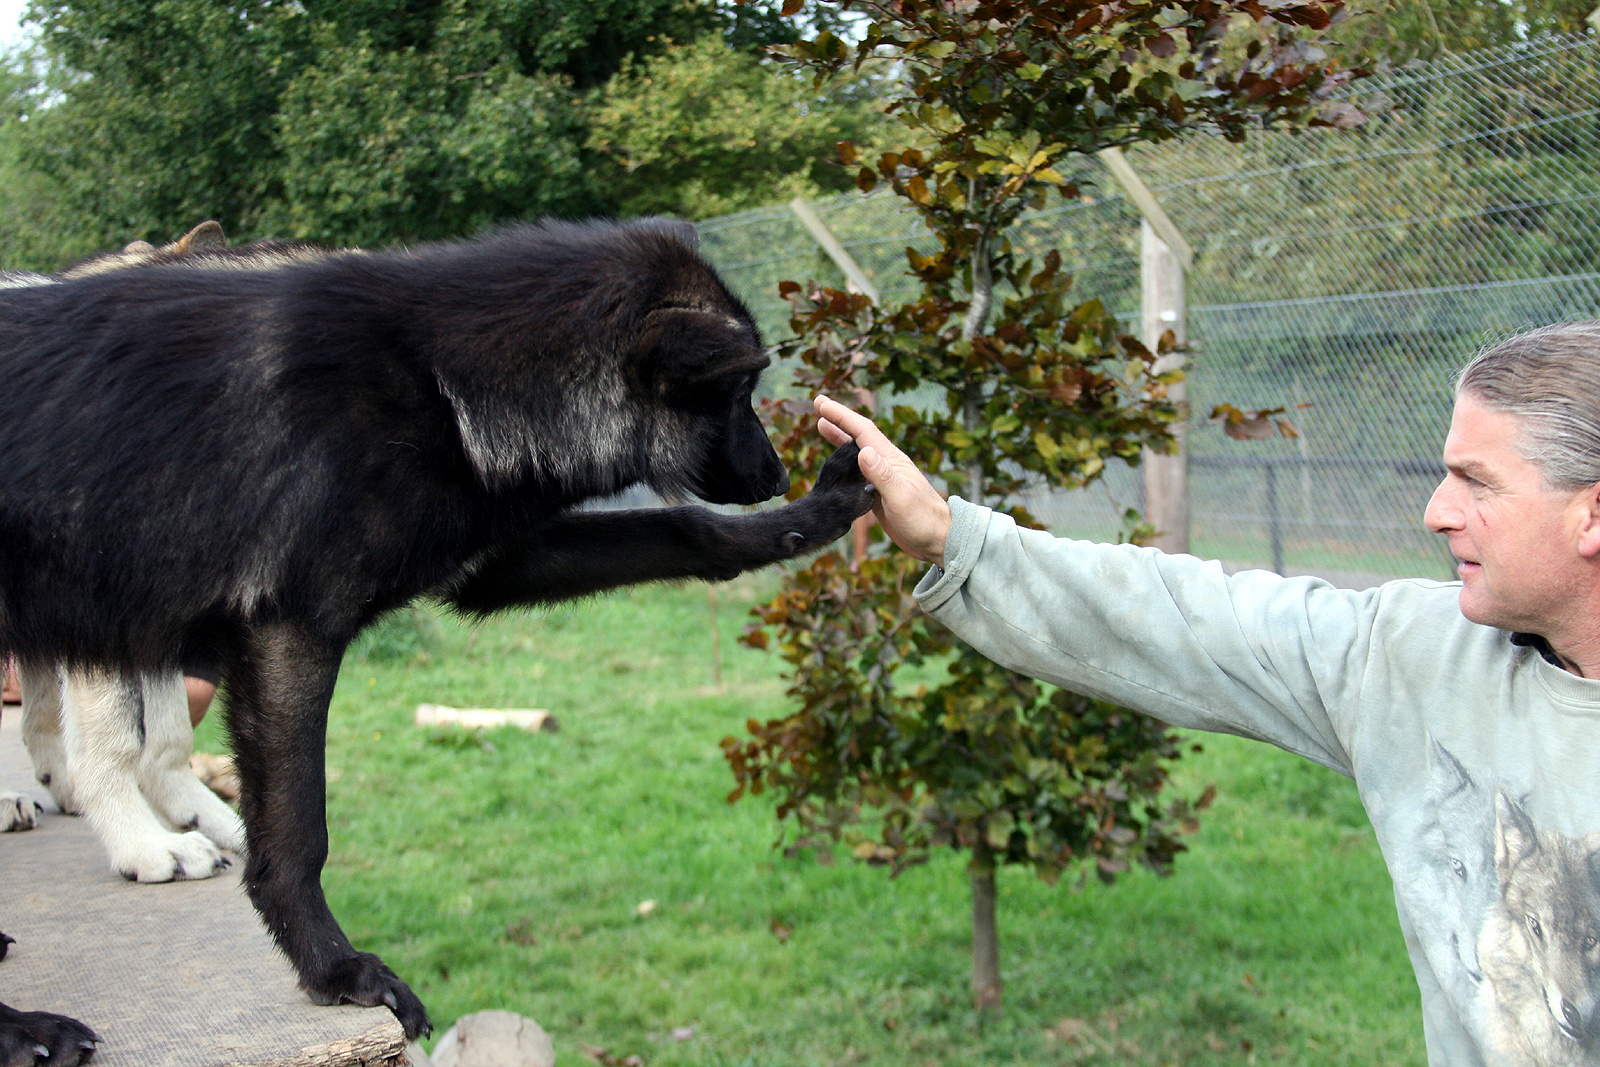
1580,657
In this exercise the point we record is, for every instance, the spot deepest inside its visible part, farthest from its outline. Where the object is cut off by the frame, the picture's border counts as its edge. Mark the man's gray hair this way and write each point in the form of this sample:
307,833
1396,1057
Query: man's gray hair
1549,379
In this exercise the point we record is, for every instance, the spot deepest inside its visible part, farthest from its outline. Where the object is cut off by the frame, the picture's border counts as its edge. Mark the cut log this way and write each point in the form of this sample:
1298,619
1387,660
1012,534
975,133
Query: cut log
533,720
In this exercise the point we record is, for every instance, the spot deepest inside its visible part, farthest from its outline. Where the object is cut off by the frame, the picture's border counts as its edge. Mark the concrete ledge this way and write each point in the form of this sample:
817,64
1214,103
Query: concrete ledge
176,975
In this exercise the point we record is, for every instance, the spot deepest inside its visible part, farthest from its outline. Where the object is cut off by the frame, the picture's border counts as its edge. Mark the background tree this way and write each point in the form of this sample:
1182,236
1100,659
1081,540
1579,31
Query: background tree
1395,31
369,122
706,129
1019,385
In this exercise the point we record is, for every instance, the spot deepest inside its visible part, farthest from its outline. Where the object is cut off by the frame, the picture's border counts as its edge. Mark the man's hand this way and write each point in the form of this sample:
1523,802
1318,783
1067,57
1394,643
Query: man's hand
911,510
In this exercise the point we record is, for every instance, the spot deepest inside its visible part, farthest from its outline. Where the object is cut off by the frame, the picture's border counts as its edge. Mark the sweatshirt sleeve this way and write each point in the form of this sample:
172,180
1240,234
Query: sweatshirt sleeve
1254,654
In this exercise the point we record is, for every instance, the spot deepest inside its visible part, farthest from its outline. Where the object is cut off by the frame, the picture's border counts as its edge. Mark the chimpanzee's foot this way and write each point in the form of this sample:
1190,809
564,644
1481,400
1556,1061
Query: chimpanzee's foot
366,980
40,1039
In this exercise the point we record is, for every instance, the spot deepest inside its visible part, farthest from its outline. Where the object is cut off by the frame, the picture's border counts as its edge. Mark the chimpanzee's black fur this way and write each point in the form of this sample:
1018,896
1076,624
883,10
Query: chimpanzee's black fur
248,463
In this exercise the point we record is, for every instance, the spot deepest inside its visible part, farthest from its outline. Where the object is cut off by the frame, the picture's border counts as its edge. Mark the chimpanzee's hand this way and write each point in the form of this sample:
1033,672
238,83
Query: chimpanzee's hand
841,495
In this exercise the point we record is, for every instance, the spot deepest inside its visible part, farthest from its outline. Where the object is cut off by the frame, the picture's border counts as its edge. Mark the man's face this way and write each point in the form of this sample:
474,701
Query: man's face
1515,539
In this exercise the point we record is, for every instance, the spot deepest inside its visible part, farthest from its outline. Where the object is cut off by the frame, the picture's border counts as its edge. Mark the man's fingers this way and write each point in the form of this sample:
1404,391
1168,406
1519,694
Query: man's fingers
860,428
833,434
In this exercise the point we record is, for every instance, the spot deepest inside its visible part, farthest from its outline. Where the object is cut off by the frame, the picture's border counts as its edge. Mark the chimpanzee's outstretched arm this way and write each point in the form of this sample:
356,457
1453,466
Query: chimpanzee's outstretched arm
588,552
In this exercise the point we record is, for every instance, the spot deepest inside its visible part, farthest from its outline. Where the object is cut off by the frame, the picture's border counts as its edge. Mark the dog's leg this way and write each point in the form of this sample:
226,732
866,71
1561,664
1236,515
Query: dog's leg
278,713
42,732
588,552
38,1037
18,811
103,715
164,774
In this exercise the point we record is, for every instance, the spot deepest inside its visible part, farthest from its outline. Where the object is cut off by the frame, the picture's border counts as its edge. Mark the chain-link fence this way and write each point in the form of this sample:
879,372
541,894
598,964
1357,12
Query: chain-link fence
1352,272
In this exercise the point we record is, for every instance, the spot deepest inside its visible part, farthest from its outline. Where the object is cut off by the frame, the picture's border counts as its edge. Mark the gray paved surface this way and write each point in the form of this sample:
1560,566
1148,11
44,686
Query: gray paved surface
176,975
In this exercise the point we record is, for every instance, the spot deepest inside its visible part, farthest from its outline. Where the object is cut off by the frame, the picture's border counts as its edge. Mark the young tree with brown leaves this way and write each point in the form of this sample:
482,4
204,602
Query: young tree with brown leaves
1037,387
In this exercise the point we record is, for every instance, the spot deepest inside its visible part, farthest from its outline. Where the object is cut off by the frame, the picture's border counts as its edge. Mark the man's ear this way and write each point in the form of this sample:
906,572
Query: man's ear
1587,502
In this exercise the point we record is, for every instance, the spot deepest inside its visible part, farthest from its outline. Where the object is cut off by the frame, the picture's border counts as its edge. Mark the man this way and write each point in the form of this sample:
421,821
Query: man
1468,713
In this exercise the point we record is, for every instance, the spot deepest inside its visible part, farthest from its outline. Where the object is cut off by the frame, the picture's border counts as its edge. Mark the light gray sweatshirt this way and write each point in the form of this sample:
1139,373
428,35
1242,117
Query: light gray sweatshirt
1475,756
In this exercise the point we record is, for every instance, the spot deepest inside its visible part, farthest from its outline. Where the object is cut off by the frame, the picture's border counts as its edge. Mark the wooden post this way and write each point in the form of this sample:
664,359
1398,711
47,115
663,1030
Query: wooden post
1164,255
1166,477
856,281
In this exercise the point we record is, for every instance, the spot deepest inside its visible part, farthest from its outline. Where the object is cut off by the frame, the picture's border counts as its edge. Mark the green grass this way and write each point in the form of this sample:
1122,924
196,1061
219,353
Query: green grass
505,870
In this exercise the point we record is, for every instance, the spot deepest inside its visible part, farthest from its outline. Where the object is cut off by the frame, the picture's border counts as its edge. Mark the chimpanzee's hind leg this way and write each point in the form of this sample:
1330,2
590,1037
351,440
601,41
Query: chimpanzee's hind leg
278,713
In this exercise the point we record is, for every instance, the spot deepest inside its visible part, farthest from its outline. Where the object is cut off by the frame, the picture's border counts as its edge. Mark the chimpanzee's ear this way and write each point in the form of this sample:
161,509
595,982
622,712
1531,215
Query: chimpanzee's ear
207,235
689,346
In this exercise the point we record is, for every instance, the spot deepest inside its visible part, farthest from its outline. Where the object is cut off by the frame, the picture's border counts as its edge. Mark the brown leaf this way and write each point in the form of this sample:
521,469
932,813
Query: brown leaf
1073,1030
780,931
605,1058
1250,428
918,189
1339,115
866,180
1288,429
1066,392
792,7
1161,45
847,153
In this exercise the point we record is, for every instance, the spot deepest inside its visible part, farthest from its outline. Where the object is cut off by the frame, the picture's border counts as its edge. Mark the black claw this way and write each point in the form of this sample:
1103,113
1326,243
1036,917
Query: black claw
6,941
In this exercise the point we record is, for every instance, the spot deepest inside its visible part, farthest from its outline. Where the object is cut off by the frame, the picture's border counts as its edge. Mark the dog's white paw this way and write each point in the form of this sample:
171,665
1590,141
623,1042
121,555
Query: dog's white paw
221,824
168,858
18,811
186,803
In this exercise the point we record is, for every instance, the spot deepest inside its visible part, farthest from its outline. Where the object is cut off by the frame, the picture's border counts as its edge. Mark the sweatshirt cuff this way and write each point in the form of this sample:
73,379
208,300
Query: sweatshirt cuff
969,524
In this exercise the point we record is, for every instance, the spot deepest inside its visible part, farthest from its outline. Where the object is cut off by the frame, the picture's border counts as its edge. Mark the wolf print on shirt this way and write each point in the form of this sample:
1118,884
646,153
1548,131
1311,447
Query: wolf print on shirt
1540,945
1457,872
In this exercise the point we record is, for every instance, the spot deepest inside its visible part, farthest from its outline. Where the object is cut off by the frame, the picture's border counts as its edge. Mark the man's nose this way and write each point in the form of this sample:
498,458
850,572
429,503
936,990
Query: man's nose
1442,513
